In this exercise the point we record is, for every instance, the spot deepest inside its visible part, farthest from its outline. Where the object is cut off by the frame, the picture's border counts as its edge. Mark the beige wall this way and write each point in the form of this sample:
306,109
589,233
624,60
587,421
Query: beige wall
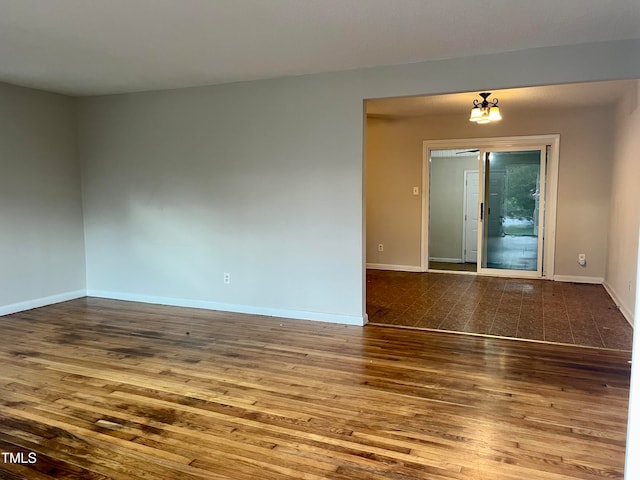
625,204
586,152
41,230
392,211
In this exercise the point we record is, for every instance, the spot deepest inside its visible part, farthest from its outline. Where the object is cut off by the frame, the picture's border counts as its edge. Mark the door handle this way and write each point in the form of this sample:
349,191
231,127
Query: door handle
481,211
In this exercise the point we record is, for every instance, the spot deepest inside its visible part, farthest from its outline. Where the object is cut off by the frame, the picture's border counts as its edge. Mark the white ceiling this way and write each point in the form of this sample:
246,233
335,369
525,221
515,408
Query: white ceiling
551,96
81,47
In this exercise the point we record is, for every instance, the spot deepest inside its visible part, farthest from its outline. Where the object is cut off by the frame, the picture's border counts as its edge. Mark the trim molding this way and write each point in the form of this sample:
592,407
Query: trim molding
447,260
626,312
229,307
453,272
578,279
41,302
395,268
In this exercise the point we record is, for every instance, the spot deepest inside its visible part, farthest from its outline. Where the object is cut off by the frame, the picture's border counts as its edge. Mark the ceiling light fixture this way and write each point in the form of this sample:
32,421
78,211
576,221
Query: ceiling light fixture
485,111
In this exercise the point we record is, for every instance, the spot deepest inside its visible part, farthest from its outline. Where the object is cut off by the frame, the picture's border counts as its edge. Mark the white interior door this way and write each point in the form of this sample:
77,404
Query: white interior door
470,226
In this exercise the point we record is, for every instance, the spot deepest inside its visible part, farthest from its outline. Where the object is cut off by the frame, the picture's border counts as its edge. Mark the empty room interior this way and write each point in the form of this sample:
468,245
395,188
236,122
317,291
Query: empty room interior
288,240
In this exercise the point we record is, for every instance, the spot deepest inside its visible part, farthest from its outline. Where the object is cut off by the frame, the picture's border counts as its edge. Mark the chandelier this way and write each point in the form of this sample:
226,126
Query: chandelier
485,111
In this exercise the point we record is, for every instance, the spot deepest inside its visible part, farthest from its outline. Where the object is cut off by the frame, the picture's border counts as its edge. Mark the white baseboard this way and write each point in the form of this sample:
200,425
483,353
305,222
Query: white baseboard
41,302
395,268
445,260
229,307
626,312
578,279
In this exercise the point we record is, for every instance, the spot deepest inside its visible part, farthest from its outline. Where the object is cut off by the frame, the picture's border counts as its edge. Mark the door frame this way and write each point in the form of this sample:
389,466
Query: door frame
552,140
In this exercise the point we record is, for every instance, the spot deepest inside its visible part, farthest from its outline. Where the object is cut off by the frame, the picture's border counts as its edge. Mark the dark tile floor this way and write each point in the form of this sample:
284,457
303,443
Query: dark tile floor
542,310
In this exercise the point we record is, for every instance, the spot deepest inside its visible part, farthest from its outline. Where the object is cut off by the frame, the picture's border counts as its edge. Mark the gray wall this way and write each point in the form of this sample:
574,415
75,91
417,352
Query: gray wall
41,229
257,180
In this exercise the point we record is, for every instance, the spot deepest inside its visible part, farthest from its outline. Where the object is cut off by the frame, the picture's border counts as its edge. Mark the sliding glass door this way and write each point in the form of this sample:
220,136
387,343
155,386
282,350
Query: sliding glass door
512,211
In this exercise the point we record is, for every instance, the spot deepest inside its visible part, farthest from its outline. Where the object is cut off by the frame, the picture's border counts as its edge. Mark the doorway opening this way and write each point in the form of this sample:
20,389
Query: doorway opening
400,286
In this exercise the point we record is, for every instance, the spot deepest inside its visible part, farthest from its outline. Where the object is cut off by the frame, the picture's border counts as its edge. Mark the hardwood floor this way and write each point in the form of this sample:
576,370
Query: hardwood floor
102,389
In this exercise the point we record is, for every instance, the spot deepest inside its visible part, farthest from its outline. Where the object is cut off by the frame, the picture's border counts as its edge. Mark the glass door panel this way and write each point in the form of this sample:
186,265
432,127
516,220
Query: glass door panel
511,211
454,185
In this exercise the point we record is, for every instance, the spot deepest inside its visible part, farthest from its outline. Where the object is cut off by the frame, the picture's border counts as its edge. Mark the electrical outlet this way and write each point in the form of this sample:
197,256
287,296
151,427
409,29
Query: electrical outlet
226,278
582,259
380,247
416,190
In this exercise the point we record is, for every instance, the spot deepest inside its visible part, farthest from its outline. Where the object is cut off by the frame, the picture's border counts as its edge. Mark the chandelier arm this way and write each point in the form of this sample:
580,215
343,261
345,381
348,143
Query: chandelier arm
485,111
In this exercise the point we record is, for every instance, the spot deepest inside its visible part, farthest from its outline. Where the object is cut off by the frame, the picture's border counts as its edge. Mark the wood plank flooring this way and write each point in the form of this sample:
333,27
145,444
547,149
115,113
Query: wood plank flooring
540,310
102,389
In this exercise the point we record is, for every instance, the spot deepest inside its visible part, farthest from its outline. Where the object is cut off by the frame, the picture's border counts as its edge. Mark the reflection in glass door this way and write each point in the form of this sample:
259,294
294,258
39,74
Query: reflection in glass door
512,210
454,195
